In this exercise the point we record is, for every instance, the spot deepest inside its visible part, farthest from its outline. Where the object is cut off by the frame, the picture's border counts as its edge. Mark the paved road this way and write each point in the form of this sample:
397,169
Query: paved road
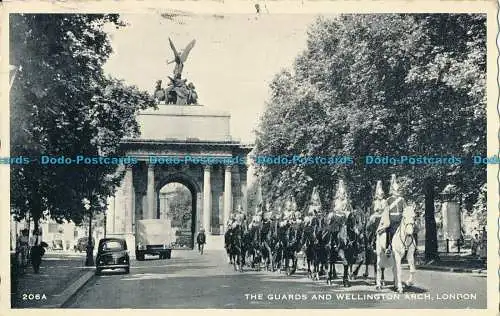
190,280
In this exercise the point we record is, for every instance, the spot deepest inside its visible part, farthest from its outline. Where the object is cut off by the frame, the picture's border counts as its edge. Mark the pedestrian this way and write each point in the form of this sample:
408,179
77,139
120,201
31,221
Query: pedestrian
201,240
36,251
474,244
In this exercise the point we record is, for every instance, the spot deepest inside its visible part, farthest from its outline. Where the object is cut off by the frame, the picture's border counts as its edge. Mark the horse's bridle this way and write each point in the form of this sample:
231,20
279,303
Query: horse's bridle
404,241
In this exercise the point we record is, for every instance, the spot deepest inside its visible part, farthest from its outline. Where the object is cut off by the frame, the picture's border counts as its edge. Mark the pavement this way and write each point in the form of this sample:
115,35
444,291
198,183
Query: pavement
64,281
61,275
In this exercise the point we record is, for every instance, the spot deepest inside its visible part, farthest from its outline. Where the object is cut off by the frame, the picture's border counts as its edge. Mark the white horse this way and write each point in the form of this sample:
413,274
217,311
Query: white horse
403,242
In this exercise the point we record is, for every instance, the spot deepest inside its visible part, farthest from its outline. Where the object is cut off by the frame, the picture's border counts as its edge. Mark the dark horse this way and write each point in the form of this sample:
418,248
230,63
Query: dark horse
235,247
367,241
308,242
279,236
253,247
319,247
266,243
227,241
349,243
291,247
343,243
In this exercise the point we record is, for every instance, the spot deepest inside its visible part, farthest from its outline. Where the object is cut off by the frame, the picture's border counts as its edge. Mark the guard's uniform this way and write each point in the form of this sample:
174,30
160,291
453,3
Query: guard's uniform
391,218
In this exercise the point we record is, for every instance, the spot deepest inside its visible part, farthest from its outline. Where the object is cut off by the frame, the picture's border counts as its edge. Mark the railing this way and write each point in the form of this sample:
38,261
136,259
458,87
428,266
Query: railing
451,246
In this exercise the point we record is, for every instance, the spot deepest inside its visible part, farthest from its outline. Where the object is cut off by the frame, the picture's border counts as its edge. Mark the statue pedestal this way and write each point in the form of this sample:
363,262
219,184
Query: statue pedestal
184,122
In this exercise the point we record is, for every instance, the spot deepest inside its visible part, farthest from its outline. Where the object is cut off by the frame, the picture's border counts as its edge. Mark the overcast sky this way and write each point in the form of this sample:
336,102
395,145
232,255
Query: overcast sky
231,65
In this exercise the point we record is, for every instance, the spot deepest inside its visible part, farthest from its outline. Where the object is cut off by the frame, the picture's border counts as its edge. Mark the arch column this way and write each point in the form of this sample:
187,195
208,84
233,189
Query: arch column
207,198
151,209
228,195
129,196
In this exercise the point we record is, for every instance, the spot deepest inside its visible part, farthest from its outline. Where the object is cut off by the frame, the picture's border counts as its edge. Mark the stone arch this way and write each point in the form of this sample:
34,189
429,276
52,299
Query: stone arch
190,183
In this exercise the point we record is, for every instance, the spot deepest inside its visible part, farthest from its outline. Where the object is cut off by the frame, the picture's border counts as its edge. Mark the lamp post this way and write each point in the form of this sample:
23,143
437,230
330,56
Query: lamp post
89,261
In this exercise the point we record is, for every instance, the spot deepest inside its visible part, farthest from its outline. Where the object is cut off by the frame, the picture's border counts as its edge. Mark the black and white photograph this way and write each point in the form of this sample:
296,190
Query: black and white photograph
170,159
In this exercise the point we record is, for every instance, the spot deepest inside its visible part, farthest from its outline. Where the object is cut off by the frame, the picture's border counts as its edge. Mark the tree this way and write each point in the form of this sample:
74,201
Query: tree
180,206
380,85
62,104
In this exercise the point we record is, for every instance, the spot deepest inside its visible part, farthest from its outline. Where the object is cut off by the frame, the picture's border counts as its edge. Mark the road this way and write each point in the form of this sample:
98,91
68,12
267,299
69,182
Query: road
191,280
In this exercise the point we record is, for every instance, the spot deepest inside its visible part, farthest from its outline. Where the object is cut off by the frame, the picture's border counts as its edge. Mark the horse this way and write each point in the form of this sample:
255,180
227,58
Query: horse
252,241
331,249
279,244
403,243
308,242
320,251
291,247
350,242
366,247
266,243
227,244
368,242
236,247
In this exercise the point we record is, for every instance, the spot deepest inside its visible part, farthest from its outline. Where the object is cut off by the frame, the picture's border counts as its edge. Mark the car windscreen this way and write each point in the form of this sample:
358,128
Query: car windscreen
112,245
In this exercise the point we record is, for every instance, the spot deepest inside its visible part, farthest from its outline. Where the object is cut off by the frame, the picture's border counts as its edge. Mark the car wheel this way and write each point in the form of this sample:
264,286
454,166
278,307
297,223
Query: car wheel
127,270
168,255
98,271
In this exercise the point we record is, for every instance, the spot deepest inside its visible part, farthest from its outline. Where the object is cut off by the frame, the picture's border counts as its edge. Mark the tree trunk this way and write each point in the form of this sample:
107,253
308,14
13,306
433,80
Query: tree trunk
431,245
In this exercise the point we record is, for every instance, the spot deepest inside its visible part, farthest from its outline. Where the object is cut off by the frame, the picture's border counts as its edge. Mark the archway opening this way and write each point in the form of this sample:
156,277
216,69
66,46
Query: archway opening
177,203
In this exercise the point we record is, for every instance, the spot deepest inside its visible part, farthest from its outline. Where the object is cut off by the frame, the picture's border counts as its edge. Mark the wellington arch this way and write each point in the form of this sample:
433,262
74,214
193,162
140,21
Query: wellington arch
185,132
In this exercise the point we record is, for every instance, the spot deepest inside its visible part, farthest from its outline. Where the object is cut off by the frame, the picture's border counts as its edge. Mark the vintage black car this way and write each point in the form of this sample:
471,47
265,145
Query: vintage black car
112,254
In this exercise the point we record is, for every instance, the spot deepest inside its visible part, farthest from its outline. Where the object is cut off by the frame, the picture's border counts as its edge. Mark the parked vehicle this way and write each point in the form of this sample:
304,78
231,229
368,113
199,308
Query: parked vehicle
81,244
112,253
154,237
57,245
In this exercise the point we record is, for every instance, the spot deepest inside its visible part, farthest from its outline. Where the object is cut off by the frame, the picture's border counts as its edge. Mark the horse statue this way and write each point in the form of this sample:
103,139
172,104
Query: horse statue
395,238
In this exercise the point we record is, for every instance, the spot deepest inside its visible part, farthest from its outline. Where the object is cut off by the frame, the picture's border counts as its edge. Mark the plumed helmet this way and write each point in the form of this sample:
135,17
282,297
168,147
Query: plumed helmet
379,191
298,214
394,189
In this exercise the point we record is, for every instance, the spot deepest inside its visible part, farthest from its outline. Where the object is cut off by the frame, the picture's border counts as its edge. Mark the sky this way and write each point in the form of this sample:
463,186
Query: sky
231,65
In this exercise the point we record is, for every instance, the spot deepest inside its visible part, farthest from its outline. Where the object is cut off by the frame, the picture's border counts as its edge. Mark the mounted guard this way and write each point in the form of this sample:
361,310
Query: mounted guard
391,216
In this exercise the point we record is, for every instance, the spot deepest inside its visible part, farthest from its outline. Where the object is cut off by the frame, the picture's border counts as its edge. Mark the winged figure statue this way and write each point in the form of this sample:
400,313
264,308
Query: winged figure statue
180,57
